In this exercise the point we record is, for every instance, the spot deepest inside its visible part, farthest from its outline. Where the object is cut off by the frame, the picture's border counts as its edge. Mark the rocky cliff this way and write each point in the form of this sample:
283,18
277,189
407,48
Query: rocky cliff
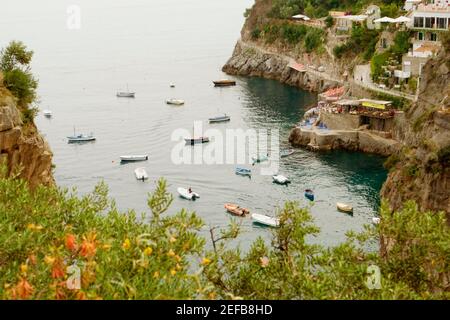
22,148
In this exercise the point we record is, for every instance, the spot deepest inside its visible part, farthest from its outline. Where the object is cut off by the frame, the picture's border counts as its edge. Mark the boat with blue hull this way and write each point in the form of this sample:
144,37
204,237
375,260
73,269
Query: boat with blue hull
243,171
309,194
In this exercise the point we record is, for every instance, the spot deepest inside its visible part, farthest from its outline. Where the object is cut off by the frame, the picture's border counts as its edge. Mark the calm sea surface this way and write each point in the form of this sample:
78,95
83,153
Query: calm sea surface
148,45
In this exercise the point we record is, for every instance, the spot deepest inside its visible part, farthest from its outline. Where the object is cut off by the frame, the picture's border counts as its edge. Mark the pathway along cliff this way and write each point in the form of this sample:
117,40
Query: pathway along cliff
420,147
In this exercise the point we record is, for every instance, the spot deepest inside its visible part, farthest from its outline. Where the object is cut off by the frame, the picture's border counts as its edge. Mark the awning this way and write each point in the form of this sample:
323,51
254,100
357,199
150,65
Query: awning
402,19
385,19
377,104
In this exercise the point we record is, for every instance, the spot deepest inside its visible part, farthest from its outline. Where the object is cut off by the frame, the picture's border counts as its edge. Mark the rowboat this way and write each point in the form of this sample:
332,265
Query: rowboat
286,153
132,158
280,179
236,210
141,174
187,194
47,113
177,102
266,220
309,194
224,83
243,171
344,207
260,158
192,141
223,118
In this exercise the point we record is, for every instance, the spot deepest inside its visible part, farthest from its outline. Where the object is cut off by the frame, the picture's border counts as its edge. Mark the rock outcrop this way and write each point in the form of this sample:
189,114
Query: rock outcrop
22,148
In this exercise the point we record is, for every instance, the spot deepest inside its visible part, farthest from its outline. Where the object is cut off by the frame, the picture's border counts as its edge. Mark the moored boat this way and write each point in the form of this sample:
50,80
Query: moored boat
280,179
132,158
80,137
266,220
286,153
343,207
188,194
176,102
47,113
243,171
224,83
126,94
309,194
376,220
192,141
260,158
236,210
141,174
223,118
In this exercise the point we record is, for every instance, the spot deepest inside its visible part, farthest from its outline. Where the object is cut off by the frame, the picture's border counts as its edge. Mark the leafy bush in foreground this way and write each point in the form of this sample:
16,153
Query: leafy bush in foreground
47,233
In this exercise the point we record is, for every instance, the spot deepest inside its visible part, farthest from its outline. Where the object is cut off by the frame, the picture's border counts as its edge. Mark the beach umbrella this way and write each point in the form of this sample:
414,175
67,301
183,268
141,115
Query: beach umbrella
402,19
385,19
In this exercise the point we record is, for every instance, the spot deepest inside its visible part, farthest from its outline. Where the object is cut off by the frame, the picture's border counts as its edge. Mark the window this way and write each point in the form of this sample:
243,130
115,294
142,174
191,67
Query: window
433,37
420,36
429,22
440,23
418,22
384,43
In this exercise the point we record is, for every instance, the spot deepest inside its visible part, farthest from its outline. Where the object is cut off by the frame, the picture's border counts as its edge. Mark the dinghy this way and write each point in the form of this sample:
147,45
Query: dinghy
132,158
260,158
309,194
266,220
344,207
176,102
286,153
141,174
280,179
185,194
224,83
236,210
47,113
223,118
243,171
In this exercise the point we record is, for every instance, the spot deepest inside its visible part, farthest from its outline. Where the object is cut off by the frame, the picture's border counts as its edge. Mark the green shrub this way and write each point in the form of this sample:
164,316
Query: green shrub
313,39
329,21
256,34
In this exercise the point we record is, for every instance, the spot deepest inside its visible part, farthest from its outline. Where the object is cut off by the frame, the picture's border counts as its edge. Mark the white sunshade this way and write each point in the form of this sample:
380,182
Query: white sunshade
402,19
385,19
301,16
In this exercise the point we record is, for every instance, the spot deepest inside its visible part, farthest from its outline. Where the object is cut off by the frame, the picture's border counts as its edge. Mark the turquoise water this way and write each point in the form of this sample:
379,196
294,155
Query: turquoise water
148,45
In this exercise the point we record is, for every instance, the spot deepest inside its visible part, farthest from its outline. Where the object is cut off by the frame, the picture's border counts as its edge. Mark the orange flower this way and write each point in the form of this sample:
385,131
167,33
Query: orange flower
24,289
205,261
148,251
126,244
71,242
171,253
58,269
88,246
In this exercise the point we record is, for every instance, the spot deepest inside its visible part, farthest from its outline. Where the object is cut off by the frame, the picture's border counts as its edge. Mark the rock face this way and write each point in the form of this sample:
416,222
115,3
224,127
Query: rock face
22,148
421,170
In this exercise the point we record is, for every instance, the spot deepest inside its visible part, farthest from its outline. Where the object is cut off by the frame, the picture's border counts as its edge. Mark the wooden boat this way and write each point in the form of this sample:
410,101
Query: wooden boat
192,141
266,220
224,83
260,158
141,174
132,158
47,113
286,153
223,118
344,207
280,179
236,210
188,195
176,102
243,171
309,194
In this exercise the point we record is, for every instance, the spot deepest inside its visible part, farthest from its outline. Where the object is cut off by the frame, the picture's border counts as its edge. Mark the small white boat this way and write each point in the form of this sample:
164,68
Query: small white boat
132,158
266,220
47,113
126,94
80,137
286,153
223,118
177,102
260,158
376,220
344,207
184,193
243,172
280,179
141,174
172,85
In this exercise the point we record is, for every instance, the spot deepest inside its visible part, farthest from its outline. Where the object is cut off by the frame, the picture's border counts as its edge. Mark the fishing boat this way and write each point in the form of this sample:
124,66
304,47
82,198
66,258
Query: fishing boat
141,174
309,194
243,171
187,194
286,153
80,137
280,179
224,83
47,113
126,94
133,158
266,220
176,102
260,158
236,210
343,207
223,118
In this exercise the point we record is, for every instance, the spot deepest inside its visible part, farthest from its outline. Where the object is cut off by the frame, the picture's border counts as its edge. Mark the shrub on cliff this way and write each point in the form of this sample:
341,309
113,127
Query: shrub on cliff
15,62
54,245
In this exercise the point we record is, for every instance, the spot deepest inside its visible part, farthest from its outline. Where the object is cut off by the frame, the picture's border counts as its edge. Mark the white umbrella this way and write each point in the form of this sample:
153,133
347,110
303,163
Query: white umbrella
402,19
385,19
301,16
